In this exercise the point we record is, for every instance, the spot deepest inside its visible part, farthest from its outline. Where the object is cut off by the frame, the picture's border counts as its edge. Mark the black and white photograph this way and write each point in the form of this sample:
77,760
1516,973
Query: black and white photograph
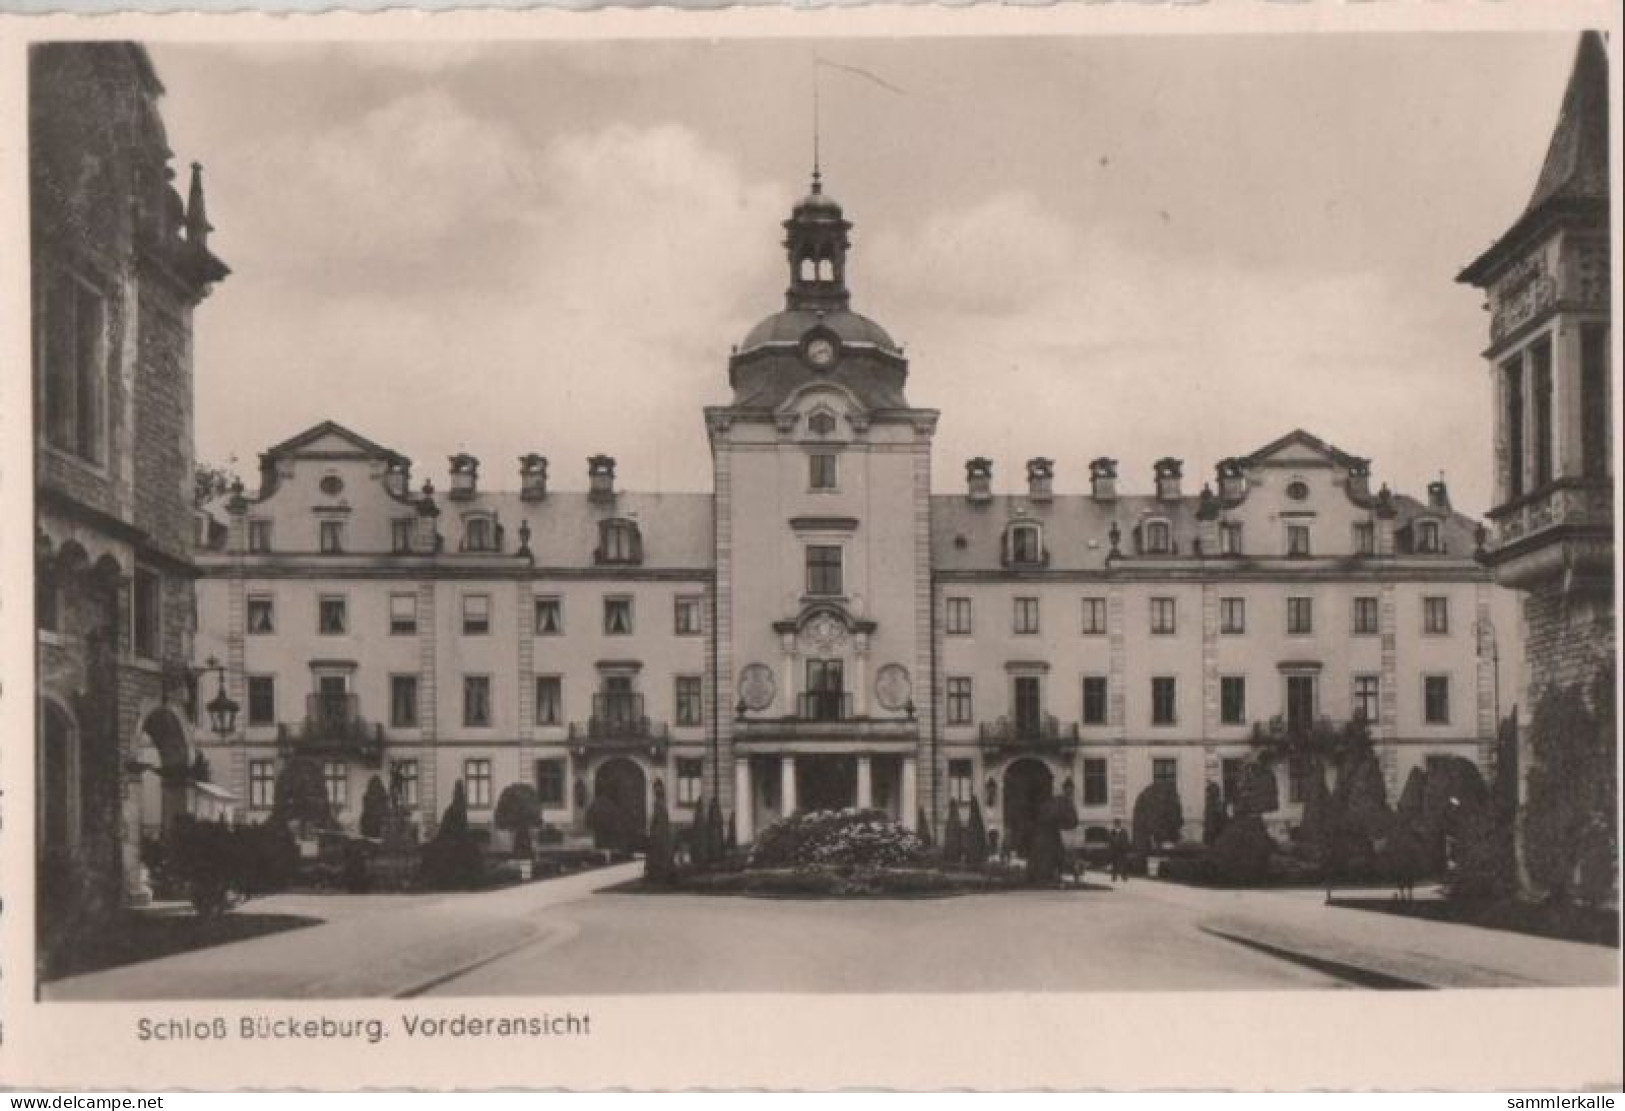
904,520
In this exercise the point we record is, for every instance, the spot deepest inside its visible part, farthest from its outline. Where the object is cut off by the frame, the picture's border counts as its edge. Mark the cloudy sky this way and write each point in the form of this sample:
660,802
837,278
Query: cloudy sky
1131,247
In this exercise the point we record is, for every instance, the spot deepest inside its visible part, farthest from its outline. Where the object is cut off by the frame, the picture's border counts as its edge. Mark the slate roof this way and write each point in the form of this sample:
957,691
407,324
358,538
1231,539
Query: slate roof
676,527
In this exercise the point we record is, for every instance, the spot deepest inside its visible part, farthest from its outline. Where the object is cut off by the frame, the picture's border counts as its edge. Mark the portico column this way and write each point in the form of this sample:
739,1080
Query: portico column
866,791
911,808
860,661
744,799
787,784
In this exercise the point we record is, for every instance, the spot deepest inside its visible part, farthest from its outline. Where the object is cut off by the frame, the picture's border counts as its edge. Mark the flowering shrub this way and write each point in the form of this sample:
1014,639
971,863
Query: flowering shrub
856,838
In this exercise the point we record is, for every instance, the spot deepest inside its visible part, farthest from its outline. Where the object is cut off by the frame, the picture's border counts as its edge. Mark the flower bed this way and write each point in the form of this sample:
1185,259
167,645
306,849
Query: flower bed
838,838
813,880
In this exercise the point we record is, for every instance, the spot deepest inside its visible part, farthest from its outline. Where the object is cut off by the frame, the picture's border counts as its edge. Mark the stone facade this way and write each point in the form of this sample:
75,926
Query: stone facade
119,263
822,628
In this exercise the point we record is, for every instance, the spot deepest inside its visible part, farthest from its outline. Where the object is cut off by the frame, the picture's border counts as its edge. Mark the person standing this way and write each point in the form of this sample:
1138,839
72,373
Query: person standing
1119,852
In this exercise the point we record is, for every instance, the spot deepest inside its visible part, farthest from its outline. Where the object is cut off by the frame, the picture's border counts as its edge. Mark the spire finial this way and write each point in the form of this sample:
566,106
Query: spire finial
197,220
817,171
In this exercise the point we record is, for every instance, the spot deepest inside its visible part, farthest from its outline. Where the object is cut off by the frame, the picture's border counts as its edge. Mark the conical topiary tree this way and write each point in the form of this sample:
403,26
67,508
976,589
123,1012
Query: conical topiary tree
953,836
922,828
975,836
1212,813
1316,823
733,835
698,844
715,835
374,808
1258,792
658,864
453,861
519,810
300,800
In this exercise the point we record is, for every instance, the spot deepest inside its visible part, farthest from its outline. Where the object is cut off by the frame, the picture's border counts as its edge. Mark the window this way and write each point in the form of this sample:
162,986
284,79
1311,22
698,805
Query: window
1095,791
1028,695
1436,615
823,569
1594,411
476,614
333,616
1165,769
403,701
1162,615
960,787
959,616
1158,538
549,700
1436,699
1232,615
1026,615
400,534
1365,538
1026,544
261,700
1094,616
619,542
821,472
686,616
1300,616
336,777
403,614
618,616
690,780
825,697
261,784
477,782
550,782
1229,538
1427,538
479,535
1094,700
477,701
1365,615
1297,540
689,702
960,707
405,773
71,350
331,537
1512,393
146,619
1164,710
261,614
1301,701
259,535
1540,384
1364,703
549,616
1233,699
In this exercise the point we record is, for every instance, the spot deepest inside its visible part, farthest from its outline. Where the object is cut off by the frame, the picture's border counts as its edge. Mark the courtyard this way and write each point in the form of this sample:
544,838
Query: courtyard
586,935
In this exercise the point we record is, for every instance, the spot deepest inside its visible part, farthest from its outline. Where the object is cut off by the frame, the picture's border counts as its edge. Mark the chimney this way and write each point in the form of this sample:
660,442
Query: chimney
398,475
1168,471
1040,479
1438,494
465,477
979,479
1232,482
532,477
601,478
1103,479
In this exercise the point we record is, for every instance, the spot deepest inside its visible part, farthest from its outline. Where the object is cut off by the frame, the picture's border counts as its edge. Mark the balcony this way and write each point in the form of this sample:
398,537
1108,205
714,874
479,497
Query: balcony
333,726
618,723
1043,732
824,706
1566,526
827,718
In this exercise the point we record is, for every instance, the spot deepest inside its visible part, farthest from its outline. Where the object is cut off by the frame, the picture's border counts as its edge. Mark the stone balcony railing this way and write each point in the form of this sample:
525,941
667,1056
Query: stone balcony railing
1044,731
333,726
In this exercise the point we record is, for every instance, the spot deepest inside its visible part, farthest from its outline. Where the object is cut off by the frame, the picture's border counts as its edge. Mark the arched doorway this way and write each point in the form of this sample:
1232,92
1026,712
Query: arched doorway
1027,784
621,783
59,805
163,756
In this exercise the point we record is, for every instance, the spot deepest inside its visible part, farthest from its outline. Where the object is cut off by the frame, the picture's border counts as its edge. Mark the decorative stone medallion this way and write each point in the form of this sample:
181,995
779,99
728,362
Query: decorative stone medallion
332,485
757,687
892,687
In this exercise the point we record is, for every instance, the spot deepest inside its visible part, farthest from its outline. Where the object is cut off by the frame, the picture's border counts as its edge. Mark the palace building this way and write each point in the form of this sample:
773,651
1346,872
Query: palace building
823,629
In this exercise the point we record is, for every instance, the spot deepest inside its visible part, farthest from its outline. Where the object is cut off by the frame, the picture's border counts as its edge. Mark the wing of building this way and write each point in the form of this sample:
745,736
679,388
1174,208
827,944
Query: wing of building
823,630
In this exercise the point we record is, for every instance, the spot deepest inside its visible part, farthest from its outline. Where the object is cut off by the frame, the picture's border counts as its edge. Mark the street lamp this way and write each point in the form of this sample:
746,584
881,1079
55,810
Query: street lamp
222,707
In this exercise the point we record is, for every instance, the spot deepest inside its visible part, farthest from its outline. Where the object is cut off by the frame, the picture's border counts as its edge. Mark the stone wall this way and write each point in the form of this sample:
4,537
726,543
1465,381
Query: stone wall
1568,638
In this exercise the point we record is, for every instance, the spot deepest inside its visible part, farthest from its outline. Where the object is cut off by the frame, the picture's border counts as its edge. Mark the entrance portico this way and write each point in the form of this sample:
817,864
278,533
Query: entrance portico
771,786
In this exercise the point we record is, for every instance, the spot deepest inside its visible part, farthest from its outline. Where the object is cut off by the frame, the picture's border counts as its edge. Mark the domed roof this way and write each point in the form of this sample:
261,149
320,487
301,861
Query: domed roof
790,325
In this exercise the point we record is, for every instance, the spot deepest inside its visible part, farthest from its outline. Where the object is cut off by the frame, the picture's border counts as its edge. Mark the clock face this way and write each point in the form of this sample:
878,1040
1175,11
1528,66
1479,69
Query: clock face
821,352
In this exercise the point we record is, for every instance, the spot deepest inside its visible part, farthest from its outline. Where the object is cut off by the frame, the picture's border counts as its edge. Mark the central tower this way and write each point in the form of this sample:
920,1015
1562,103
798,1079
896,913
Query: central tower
823,625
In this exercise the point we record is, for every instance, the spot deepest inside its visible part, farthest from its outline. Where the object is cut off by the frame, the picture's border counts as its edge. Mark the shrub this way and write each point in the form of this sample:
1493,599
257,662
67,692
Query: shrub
300,799
269,857
374,808
1317,825
1213,816
868,838
922,825
975,837
1569,817
716,846
519,809
1241,855
1158,817
953,836
1257,792
453,860
205,860
658,865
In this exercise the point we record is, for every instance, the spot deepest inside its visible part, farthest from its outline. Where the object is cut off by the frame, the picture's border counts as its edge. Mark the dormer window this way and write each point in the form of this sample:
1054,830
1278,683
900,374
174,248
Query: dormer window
1427,538
1026,544
480,534
1229,538
619,542
1159,538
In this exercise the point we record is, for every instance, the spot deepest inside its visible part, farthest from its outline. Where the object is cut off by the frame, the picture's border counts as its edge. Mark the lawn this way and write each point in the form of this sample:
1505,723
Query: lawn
1593,926
146,934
